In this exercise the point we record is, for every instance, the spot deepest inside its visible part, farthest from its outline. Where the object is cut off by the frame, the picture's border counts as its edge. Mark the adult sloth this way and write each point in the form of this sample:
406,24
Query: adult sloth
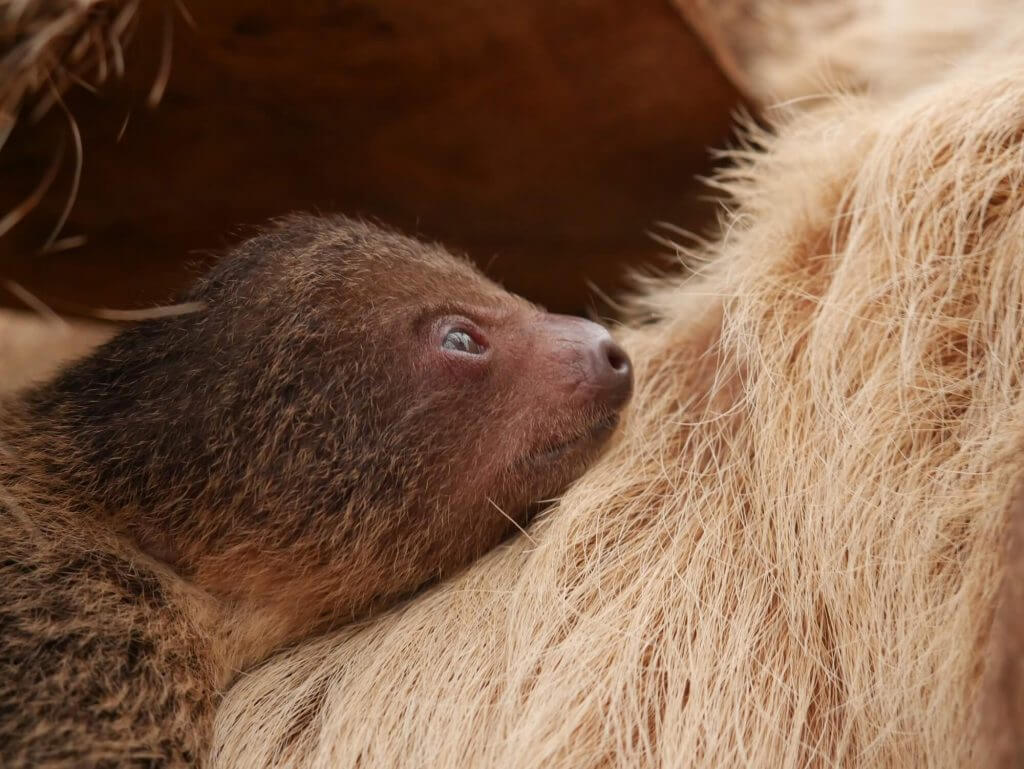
792,556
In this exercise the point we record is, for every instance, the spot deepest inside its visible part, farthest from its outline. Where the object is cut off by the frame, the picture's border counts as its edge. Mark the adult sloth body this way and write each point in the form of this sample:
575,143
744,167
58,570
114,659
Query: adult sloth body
791,557
347,415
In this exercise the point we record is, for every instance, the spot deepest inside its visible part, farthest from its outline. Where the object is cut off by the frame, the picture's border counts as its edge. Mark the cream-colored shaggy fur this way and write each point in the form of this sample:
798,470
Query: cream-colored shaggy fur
33,347
795,49
791,556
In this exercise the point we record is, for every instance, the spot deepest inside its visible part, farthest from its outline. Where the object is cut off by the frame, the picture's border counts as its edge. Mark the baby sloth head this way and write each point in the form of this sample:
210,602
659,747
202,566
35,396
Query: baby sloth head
350,414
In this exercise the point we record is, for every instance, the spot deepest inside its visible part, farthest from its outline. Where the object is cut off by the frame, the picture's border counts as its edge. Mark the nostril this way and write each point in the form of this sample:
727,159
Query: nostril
616,357
615,373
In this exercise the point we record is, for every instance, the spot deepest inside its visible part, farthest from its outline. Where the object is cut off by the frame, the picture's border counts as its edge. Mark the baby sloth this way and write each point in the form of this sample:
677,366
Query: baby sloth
349,415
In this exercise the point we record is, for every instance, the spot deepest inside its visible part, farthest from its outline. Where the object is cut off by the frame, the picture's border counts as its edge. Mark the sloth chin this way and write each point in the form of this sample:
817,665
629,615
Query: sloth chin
592,437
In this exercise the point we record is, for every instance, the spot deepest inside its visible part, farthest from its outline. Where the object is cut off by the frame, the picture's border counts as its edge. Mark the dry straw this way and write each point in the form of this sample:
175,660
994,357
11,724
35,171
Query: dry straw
50,46
45,47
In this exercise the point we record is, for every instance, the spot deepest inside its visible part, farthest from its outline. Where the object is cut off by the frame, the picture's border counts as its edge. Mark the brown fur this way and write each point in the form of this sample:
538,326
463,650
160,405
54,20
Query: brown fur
103,661
206,487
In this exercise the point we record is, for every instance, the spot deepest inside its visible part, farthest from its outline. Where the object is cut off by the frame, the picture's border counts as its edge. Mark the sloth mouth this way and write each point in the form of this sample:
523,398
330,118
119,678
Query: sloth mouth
595,433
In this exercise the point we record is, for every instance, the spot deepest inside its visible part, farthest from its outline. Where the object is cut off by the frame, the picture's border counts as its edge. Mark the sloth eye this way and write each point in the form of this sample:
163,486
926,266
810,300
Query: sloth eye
460,340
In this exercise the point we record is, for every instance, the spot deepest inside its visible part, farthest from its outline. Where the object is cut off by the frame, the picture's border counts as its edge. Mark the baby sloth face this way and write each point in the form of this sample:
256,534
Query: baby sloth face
351,414
484,403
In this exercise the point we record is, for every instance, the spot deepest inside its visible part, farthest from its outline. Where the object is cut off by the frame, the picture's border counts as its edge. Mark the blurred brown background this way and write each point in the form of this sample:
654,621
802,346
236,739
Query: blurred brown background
542,138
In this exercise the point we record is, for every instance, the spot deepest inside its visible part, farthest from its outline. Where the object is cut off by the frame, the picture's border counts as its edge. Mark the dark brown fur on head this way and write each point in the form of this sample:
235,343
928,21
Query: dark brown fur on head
307,443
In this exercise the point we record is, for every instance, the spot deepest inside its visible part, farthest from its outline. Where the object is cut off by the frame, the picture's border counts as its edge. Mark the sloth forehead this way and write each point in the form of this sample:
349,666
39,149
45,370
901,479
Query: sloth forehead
415,281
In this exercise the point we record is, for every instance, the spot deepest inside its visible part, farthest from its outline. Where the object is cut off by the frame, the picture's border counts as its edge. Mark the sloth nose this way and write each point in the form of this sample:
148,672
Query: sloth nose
612,371
607,373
